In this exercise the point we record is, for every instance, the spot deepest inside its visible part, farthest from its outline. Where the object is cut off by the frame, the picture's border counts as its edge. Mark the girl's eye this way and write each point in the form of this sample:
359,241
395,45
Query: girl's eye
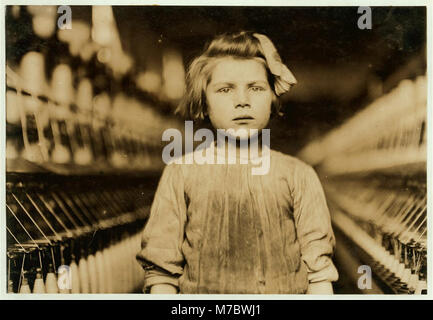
256,88
225,90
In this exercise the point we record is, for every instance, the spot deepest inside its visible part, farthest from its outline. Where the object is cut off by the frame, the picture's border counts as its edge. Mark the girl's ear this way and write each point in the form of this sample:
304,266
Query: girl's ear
276,106
204,112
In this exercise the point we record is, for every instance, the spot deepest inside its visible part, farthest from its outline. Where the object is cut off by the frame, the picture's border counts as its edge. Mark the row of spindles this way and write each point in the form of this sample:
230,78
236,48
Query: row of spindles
52,129
394,124
395,121
104,263
82,233
397,222
52,212
66,107
374,169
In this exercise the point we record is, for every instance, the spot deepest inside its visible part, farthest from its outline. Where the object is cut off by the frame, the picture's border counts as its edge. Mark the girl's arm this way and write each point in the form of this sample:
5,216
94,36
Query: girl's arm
163,235
158,280
163,288
323,287
314,230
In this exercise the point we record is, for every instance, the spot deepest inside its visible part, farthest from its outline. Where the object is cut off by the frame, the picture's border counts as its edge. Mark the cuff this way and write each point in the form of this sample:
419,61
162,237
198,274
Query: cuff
322,287
329,273
154,276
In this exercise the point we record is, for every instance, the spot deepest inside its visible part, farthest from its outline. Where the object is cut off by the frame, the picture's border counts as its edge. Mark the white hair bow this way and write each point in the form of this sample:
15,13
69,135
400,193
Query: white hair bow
284,78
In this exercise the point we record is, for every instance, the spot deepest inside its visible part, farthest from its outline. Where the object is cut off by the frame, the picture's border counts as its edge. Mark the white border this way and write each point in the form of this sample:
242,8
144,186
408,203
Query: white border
253,3
304,3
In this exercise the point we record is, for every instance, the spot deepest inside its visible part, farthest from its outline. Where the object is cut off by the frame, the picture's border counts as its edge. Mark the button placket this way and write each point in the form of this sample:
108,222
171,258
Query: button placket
261,283
262,259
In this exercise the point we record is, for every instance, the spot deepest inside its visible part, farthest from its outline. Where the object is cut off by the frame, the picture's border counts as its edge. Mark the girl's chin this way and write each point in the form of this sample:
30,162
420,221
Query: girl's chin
242,133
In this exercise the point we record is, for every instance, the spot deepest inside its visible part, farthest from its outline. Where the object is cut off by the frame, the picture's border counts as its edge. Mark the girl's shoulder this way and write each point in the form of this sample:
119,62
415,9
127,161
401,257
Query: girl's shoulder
289,161
298,174
184,165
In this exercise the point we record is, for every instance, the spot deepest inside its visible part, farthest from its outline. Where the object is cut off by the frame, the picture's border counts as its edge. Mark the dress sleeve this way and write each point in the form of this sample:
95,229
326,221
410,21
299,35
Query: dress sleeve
313,226
161,255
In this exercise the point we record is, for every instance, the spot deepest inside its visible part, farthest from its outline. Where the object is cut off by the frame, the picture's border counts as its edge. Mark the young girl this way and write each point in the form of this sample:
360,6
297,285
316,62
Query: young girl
217,228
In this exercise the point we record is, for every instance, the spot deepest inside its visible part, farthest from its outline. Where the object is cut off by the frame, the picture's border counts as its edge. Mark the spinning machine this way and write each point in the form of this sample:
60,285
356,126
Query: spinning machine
373,168
83,161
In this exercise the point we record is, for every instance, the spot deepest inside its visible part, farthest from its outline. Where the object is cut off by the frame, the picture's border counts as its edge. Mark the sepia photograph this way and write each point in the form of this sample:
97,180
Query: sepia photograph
214,149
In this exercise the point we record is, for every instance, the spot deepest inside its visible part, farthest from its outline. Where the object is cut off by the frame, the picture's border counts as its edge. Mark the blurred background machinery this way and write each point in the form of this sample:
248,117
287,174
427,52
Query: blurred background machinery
374,172
83,152
86,108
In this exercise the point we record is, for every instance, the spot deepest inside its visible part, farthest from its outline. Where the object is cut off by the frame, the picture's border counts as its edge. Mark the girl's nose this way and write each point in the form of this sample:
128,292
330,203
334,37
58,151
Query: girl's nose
242,99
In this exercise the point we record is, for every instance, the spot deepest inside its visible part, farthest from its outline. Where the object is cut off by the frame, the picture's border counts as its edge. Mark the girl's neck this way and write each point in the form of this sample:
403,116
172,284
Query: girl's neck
249,148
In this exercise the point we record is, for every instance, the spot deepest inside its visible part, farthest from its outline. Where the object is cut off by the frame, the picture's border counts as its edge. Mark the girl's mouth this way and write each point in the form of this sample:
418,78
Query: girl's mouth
243,118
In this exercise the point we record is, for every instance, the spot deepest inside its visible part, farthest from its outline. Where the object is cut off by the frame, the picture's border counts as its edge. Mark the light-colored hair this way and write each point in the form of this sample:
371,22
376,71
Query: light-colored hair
242,45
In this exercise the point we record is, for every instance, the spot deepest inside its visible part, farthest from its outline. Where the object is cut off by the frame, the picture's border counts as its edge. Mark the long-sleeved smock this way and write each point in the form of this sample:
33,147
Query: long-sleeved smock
217,228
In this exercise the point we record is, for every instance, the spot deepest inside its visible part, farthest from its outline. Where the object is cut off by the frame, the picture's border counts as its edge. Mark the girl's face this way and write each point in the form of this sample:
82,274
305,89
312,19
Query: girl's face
239,95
